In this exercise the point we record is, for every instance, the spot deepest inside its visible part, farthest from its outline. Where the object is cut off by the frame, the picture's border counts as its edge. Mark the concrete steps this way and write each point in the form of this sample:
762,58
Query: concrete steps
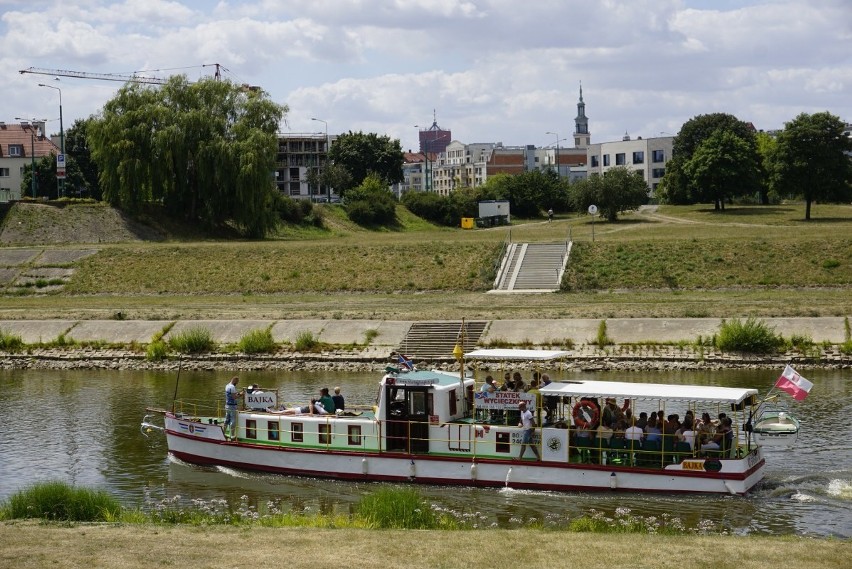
436,340
533,266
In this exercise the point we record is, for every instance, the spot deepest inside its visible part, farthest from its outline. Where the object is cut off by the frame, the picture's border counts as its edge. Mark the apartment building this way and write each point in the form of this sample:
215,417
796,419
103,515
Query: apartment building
646,155
298,155
20,144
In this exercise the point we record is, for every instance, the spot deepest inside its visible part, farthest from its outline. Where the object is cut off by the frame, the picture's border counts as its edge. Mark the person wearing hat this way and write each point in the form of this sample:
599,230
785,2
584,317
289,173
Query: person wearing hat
528,425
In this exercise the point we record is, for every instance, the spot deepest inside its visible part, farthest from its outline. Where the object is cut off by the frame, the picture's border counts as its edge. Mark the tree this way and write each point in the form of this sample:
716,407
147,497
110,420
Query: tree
679,187
371,203
364,154
765,147
619,190
206,151
45,173
809,160
722,167
80,157
331,176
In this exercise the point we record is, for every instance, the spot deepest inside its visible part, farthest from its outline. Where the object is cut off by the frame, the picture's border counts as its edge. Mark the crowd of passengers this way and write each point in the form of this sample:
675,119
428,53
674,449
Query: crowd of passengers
701,434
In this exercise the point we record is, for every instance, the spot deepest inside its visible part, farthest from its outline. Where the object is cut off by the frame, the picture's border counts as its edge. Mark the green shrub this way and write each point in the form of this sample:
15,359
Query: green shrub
371,203
393,508
603,338
10,342
370,335
59,501
257,342
156,351
752,336
192,340
305,341
801,342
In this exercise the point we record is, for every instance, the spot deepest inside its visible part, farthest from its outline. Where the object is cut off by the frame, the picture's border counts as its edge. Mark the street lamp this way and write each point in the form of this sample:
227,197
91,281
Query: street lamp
326,150
60,180
558,173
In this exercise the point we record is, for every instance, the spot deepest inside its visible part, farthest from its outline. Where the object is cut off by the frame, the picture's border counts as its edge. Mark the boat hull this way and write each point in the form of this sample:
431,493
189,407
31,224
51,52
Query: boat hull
204,444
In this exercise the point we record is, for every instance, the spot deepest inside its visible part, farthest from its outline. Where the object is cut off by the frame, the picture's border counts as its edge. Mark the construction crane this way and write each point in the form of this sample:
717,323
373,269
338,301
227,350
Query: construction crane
133,78
101,76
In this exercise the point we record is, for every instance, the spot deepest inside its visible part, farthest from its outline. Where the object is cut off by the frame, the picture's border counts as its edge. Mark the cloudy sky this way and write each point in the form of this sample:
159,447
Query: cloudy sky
492,70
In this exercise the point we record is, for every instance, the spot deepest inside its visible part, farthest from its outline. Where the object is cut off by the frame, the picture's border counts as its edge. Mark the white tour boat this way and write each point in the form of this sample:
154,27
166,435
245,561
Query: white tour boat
435,427
775,427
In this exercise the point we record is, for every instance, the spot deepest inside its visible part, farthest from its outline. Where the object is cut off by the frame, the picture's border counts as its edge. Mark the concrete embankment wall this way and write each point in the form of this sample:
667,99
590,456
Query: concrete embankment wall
640,343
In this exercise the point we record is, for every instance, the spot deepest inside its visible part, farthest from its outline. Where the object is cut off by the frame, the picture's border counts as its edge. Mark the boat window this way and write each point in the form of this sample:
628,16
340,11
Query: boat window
297,432
418,403
272,430
324,434
251,429
355,435
453,408
503,442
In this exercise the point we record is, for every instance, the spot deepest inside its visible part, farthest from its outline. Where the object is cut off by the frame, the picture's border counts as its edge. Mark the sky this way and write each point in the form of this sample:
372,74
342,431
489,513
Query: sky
489,70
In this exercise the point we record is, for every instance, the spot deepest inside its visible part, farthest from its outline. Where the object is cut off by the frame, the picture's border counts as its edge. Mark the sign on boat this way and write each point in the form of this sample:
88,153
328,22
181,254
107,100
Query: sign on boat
436,427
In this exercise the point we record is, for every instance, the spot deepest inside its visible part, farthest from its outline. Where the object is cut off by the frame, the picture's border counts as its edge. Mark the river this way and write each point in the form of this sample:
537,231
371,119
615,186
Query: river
83,427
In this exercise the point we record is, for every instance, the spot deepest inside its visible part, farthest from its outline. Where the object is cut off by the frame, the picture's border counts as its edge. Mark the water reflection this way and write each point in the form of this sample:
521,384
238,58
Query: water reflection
83,427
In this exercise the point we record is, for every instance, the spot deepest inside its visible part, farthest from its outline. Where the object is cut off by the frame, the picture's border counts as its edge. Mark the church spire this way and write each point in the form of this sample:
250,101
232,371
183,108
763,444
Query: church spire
582,137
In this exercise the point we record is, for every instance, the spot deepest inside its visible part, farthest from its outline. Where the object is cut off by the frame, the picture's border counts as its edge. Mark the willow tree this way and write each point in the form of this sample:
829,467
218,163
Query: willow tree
206,151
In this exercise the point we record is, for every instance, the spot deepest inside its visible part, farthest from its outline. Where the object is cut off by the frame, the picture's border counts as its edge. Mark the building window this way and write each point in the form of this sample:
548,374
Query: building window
251,429
658,156
295,188
272,430
639,157
606,160
4,172
619,159
595,161
658,172
324,432
355,435
16,150
297,432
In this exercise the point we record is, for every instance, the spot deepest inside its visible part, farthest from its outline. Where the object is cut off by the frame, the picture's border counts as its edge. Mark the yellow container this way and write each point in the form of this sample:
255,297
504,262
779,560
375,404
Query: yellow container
467,223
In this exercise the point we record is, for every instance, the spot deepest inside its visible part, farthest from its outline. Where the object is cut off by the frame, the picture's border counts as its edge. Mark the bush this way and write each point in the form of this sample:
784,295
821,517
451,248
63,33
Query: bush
156,351
371,203
392,508
305,341
58,501
752,336
257,342
10,342
603,338
192,340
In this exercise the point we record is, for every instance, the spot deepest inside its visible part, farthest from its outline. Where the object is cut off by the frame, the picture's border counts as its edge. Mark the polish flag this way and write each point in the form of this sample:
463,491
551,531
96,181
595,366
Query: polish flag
794,384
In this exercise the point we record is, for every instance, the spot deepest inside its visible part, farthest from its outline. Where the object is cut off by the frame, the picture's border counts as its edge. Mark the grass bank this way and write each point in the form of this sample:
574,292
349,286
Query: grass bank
33,545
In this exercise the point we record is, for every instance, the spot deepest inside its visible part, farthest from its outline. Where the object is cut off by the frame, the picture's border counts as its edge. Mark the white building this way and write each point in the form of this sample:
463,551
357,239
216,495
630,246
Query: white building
646,155
19,145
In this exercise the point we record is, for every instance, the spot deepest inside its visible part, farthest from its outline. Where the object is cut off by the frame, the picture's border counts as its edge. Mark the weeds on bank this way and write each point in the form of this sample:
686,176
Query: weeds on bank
257,342
10,342
751,336
194,340
386,508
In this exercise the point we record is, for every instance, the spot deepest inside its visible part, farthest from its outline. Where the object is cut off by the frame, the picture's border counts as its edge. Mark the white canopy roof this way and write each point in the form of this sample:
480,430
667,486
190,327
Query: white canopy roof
517,355
618,389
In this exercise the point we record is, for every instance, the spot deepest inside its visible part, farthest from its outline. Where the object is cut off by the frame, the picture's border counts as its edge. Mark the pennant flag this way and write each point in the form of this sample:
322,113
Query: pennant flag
406,362
794,384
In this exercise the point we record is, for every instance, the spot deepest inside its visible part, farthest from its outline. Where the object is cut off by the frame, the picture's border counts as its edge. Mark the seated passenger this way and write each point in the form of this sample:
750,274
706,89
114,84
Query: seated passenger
687,434
653,431
604,432
633,433
722,438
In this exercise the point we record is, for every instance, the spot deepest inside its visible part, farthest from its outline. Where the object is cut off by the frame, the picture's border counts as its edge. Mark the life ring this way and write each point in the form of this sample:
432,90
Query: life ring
585,413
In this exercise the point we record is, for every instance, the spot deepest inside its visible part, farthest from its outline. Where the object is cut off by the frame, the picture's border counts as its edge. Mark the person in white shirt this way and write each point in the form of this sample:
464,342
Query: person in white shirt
528,426
633,433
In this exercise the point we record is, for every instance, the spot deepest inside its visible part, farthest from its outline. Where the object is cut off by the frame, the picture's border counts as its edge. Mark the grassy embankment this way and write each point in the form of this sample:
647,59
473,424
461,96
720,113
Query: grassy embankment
677,262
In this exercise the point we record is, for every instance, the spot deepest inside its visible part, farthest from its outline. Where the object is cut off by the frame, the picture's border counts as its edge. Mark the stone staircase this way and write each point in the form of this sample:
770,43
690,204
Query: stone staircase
533,267
436,340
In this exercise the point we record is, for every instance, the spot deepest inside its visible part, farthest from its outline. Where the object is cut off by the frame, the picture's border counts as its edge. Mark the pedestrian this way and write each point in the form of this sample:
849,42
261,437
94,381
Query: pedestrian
550,215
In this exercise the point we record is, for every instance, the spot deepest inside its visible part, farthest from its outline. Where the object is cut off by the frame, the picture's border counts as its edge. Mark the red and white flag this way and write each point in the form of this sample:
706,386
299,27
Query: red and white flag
794,384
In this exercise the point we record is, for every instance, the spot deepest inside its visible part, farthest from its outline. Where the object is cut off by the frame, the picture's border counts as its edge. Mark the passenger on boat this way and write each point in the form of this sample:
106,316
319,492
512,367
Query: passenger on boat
611,412
326,400
705,430
339,403
231,405
551,402
652,430
534,390
633,433
642,421
518,381
315,408
722,438
687,434
527,423
604,432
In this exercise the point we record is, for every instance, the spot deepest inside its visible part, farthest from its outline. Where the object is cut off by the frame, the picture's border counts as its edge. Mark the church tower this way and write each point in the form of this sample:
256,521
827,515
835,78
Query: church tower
582,138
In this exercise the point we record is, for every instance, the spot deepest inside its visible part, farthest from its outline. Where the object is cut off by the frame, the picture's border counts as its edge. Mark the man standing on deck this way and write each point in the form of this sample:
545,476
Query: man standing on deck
231,404
528,426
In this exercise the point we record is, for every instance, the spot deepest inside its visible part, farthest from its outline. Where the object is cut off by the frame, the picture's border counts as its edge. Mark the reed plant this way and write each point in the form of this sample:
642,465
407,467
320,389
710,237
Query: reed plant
751,336
59,501
156,351
306,341
193,340
257,342
10,342
397,508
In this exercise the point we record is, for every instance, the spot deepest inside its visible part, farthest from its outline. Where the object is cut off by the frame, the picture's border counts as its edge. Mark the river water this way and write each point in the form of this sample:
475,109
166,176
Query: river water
83,427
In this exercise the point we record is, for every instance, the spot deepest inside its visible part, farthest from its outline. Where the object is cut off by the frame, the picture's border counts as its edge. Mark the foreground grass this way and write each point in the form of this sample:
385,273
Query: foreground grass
32,545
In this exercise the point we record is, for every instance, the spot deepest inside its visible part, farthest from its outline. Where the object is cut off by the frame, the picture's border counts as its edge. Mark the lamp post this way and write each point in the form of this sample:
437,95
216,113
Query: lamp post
558,173
60,180
326,150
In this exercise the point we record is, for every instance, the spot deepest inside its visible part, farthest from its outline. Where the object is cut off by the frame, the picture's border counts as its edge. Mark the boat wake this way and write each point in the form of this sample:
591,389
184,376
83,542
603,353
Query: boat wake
831,486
